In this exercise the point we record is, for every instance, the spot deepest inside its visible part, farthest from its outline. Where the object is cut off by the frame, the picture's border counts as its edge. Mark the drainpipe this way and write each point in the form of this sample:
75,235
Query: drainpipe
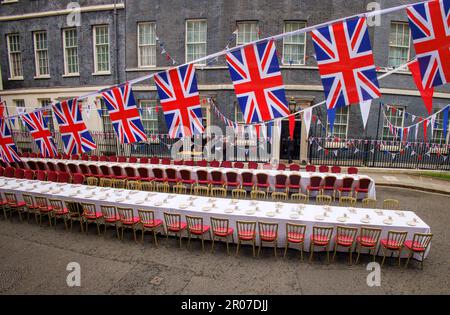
116,26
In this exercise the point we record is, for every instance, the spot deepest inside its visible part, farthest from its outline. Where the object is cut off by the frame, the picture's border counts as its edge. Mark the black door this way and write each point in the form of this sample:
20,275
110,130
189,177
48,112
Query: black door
290,150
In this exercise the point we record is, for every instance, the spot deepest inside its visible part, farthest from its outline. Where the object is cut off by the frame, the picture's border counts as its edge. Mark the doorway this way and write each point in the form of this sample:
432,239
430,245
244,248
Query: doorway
290,150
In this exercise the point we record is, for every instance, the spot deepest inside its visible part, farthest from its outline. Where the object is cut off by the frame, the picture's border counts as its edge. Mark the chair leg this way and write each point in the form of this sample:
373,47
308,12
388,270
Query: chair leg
359,252
311,251
328,254
285,249
275,249
384,257
154,237
237,248
180,238
409,257
203,244
212,245
254,247
301,250
228,248
350,255
334,254
259,249
142,237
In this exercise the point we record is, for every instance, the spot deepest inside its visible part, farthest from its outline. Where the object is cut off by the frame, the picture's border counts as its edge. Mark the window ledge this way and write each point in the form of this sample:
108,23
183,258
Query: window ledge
101,73
39,77
15,79
70,75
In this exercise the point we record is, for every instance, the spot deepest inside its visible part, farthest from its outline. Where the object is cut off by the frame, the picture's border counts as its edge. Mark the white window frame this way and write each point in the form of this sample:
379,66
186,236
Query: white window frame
94,43
11,66
389,136
440,128
16,102
38,73
302,62
347,108
145,115
238,23
408,56
139,45
66,64
195,43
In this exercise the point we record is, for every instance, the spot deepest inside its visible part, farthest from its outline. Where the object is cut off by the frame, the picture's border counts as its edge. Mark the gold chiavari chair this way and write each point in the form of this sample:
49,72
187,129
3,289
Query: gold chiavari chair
59,211
345,237
218,192
90,214
32,208
239,194
369,203
300,197
149,223
105,182
196,228
15,205
279,196
128,220
44,209
174,225
119,183
5,206
163,187
201,190
321,237
323,200
246,232
393,243
92,181
268,233
221,229
368,238
419,244
346,201
258,194
148,186
75,213
134,185
110,218
391,204
295,234
179,189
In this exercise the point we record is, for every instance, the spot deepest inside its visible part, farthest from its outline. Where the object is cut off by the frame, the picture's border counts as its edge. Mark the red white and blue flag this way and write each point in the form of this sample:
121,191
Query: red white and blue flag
74,132
8,150
180,101
430,29
37,125
124,114
257,82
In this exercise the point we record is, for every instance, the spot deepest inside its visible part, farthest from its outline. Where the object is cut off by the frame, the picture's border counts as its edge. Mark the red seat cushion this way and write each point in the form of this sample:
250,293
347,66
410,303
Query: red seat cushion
416,247
112,219
344,240
46,209
294,237
268,236
319,240
246,235
92,216
120,177
345,189
222,232
152,223
128,221
199,229
294,186
249,184
361,190
366,241
390,244
3,202
262,185
62,211
328,187
280,186
18,204
177,228
313,187
235,184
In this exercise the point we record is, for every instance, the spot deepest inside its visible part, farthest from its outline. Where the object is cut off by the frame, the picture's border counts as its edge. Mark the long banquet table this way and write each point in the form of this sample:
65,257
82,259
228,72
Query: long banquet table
304,182
234,210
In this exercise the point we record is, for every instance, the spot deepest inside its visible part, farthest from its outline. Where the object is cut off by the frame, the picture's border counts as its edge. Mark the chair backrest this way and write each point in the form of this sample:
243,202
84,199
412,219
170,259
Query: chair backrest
348,234
226,164
370,236
2,170
281,167
63,177
117,170
310,168
323,233
324,169
29,202
143,160
347,182
28,174
218,192
202,163
33,155
258,194
94,158
155,160
369,203
239,193
352,170
130,171
268,229
92,181
158,173
299,197
347,201
32,165
112,158
171,173
9,171
78,178
147,186
74,157
41,202
84,168
88,208
119,183
391,204
329,181
41,175
65,156
189,163
323,200
178,162
294,179
216,176
315,181
41,165
11,198
93,169
219,226
108,212
105,182
396,238
125,214
214,163
19,173
185,174
85,157
201,190
295,231
143,172
172,220
294,167
50,166
165,161
56,204
252,165
179,189
364,183
146,216
134,185
262,178
238,165
103,158
336,169
246,229
62,167
202,175
162,187
281,179
267,166
132,159
52,176
103,168
421,240
279,196
247,177
195,224
231,177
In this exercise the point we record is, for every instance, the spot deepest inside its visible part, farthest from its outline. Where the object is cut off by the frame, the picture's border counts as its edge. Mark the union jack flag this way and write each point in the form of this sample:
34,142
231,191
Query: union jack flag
257,82
430,29
124,114
180,102
37,125
8,150
346,65
74,132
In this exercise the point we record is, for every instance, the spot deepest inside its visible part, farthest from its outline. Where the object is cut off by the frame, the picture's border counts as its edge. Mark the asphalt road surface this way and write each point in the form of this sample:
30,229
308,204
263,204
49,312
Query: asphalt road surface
33,260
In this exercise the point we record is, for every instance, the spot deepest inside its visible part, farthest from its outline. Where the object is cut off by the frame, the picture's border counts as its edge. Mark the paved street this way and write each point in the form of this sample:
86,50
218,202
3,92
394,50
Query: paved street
33,259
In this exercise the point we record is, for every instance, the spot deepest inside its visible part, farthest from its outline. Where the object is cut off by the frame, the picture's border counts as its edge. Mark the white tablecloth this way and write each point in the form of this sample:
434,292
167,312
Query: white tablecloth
160,202
304,182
